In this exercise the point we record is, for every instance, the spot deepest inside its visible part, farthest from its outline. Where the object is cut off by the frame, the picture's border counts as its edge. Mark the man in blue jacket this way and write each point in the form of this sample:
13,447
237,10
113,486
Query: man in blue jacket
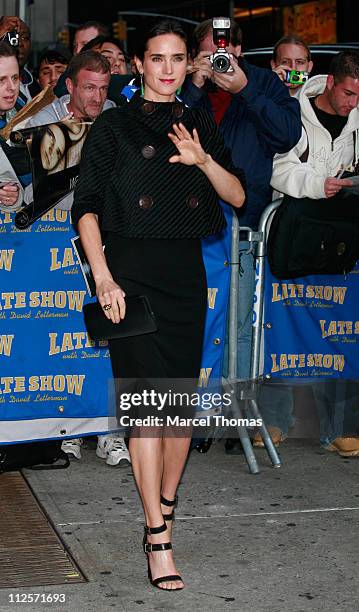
258,119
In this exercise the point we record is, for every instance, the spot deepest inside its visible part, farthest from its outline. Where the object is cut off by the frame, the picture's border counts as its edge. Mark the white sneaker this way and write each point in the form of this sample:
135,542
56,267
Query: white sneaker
72,447
113,449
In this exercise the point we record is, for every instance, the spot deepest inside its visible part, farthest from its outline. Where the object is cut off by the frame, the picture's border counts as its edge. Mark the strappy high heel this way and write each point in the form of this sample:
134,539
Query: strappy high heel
149,548
170,504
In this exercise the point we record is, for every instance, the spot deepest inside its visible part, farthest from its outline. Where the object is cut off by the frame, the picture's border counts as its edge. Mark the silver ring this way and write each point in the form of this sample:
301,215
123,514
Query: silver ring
107,306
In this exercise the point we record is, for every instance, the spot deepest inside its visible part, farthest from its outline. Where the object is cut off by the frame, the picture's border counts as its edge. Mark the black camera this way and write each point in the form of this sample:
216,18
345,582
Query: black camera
221,59
12,38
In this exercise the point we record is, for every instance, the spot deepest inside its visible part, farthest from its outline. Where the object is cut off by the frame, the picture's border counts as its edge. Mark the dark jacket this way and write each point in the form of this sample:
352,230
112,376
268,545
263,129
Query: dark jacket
262,120
126,178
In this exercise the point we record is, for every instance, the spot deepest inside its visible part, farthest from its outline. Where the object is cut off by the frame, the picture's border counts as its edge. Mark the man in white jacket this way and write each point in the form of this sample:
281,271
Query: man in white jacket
329,146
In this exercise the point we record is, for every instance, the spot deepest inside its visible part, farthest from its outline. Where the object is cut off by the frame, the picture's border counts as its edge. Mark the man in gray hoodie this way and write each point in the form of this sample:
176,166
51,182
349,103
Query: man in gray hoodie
88,79
87,82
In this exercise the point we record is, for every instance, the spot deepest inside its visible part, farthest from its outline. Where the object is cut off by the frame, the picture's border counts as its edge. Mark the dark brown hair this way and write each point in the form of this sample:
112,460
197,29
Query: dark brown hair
166,26
89,60
345,64
101,40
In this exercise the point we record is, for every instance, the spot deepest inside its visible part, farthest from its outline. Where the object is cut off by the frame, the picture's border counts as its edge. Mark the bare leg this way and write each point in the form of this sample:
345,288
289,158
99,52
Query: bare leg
147,464
175,452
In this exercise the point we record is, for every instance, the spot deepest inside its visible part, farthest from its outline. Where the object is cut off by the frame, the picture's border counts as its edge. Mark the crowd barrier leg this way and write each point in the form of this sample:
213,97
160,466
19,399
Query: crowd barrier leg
238,413
258,327
232,348
268,442
247,396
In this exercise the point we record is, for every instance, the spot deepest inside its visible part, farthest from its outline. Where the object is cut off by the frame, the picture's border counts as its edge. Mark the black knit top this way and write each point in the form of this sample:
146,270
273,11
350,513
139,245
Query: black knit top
127,180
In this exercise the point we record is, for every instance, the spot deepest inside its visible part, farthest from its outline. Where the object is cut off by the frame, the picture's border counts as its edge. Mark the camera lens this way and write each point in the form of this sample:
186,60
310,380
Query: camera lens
221,63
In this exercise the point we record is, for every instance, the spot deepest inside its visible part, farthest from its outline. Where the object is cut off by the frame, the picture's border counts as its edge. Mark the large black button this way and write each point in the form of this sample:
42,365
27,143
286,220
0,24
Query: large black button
177,110
192,201
145,201
148,151
148,108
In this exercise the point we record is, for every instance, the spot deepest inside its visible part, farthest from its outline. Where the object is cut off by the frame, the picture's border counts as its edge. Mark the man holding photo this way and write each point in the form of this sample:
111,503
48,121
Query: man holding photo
87,82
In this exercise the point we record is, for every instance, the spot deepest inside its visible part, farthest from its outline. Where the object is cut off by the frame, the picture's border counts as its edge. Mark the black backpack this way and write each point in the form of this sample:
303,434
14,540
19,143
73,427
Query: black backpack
314,236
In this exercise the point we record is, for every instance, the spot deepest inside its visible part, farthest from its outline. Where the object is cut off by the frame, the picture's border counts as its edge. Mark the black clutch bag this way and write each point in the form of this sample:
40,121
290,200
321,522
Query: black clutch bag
139,319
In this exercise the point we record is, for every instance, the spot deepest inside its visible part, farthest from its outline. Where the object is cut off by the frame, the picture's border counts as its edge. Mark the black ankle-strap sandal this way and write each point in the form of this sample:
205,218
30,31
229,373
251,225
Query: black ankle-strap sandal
149,548
170,504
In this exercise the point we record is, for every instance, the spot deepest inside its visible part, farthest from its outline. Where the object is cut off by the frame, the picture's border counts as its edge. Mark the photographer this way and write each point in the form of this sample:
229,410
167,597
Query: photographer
258,119
291,53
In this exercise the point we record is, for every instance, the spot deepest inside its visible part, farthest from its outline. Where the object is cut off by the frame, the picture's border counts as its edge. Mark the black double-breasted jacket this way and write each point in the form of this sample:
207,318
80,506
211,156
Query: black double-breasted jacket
127,180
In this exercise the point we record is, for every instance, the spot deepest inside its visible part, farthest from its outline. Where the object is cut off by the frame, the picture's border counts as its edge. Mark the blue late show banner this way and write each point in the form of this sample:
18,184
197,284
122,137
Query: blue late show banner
54,380
314,326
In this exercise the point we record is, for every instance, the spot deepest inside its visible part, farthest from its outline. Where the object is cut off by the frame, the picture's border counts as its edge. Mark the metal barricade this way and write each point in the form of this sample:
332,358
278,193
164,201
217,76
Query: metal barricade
244,396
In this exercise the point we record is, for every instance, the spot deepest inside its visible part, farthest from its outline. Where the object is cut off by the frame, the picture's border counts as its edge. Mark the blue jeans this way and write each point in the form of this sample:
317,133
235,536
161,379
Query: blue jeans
275,401
338,409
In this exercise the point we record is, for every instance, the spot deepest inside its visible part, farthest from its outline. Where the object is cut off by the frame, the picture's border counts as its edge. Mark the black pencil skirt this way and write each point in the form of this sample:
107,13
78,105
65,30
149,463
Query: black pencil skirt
171,274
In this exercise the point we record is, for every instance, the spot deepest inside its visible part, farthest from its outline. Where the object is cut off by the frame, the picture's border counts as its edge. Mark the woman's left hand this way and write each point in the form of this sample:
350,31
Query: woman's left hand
189,147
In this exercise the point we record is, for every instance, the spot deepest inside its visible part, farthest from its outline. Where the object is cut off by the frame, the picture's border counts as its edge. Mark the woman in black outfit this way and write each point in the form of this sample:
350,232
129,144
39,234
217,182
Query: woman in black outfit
150,177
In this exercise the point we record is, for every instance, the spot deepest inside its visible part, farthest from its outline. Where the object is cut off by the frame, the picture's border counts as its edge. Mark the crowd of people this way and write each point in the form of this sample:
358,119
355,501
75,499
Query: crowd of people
189,138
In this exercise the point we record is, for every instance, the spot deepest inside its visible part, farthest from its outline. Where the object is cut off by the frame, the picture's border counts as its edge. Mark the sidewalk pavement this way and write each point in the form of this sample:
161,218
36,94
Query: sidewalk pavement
285,540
